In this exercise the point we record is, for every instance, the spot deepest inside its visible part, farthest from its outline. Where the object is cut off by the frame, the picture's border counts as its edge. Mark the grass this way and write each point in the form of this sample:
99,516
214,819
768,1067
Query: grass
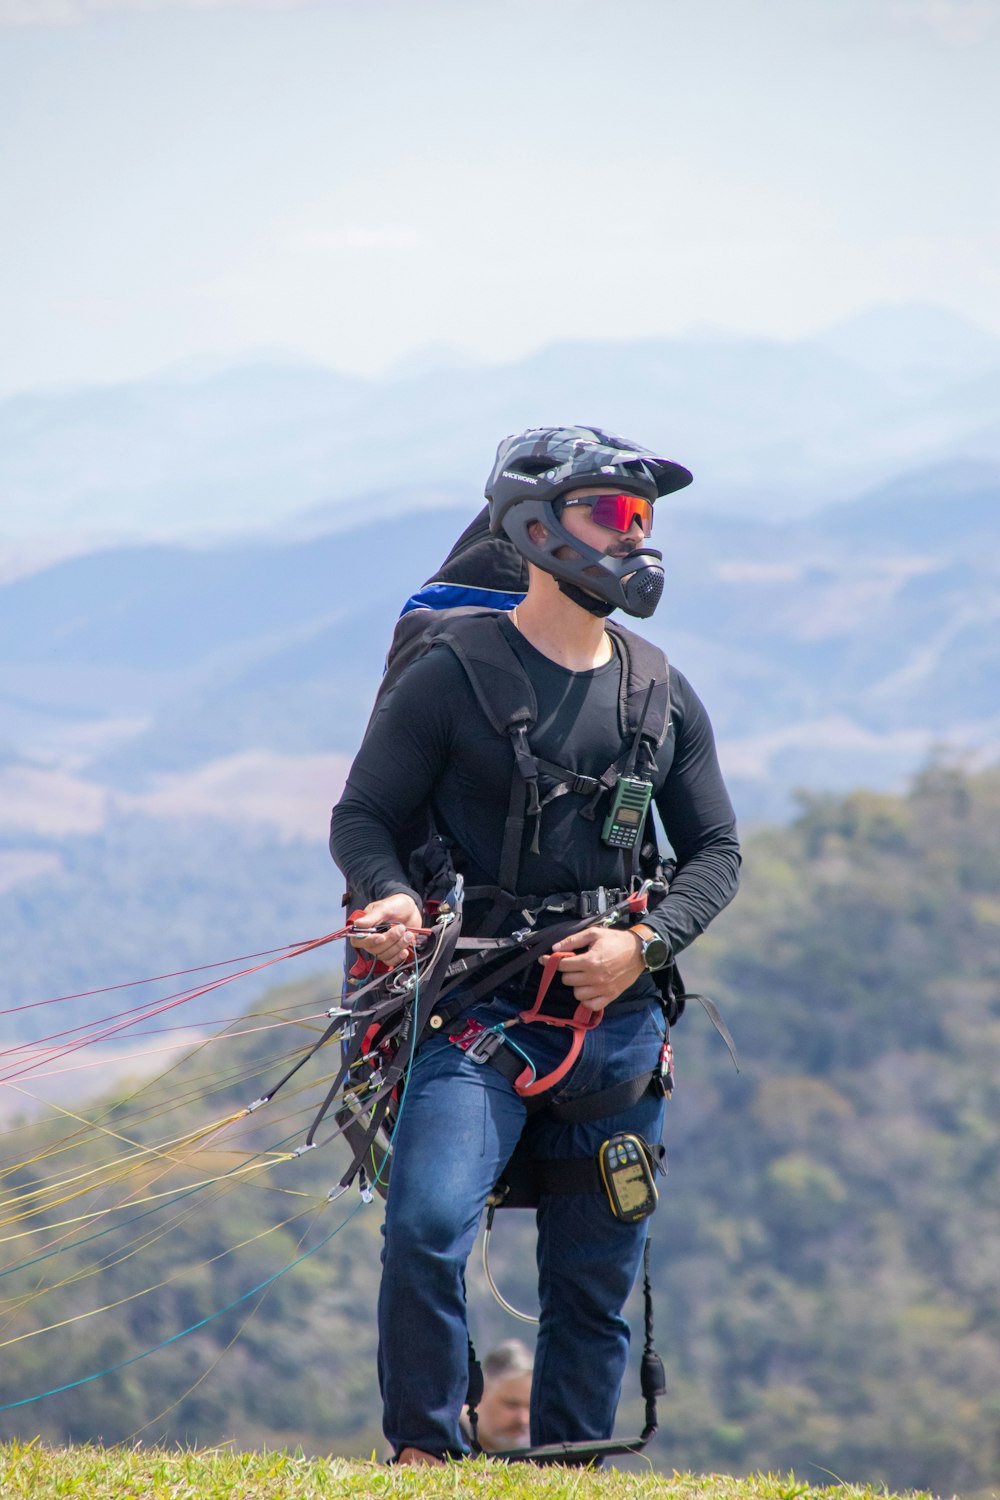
30,1471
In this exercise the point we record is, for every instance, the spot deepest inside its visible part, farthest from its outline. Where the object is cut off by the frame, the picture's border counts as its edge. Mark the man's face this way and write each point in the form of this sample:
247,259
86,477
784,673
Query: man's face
504,1413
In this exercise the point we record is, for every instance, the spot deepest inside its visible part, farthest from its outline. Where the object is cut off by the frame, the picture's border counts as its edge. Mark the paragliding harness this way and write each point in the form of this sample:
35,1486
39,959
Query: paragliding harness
380,1051
458,971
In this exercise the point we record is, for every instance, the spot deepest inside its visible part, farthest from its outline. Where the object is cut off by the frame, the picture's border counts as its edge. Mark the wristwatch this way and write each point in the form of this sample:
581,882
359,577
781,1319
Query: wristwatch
655,951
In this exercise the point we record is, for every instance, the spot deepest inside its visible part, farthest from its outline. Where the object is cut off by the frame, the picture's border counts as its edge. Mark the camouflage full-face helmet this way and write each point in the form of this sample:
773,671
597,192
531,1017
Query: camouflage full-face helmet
534,469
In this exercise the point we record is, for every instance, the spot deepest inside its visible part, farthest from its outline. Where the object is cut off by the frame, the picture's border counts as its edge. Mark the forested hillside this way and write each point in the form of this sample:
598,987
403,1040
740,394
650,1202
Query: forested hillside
825,1248
834,1232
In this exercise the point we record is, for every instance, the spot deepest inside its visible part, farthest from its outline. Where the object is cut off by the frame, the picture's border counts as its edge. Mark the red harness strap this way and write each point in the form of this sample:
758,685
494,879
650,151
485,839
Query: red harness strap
480,1042
582,1020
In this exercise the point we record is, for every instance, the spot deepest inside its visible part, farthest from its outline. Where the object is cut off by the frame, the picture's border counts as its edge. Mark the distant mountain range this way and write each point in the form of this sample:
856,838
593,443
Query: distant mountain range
205,695
770,429
831,651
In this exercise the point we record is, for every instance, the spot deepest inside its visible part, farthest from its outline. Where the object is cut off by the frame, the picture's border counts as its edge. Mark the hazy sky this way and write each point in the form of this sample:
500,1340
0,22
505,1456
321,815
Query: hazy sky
353,180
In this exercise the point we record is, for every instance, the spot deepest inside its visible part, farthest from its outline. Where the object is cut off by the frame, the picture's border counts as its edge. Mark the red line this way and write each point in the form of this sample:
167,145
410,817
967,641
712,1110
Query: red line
176,973
145,1014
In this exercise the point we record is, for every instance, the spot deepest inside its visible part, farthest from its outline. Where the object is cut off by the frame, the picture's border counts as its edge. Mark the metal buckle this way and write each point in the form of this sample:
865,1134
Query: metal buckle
584,786
477,1041
593,903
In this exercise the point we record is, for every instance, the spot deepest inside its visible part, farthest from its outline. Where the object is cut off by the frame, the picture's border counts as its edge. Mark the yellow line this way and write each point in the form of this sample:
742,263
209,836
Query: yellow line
133,1296
161,1151
99,1213
135,1247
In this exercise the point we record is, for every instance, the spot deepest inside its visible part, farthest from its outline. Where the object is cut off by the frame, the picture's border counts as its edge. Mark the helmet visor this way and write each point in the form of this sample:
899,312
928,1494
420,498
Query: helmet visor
618,512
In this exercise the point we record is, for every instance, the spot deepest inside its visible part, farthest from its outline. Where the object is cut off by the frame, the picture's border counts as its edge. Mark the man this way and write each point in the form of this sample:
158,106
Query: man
577,504
504,1411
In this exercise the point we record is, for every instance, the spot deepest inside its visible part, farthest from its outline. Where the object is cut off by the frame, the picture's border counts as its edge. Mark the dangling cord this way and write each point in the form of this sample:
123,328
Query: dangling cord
474,1394
652,1376
523,1317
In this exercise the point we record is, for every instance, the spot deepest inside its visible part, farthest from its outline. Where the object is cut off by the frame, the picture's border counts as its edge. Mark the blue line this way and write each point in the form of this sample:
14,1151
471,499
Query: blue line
178,1197
261,1286
112,1369
520,1053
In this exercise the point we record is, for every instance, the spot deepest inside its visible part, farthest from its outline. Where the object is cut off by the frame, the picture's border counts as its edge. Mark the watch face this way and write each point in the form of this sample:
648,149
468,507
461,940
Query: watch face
655,953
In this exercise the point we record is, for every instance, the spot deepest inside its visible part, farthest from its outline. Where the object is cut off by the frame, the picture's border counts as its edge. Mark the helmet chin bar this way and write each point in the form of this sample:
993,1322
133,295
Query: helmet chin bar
633,583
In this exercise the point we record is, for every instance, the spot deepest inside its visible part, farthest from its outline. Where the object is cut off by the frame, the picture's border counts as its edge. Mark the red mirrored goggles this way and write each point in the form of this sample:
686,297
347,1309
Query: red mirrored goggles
618,512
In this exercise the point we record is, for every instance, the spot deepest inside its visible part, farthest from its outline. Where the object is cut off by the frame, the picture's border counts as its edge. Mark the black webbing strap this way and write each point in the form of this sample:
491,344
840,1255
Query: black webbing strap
415,1020
528,951
613,1100
715,1016
652,1376
531,906
527,768
340,1018
556,1176
513,833
569,781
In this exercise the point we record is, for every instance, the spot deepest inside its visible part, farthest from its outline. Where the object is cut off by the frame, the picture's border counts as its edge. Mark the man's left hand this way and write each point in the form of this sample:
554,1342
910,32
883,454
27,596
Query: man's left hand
600,964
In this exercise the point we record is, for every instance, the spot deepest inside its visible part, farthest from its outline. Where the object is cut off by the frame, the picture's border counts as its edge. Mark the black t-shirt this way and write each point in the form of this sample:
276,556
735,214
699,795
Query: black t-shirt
429,744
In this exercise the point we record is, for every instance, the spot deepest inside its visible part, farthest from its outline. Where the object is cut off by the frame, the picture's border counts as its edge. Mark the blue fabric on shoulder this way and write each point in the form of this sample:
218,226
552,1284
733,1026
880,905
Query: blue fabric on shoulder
456,595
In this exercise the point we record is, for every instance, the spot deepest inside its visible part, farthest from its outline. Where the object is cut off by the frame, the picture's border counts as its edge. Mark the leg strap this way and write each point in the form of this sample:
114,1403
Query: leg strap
483,1045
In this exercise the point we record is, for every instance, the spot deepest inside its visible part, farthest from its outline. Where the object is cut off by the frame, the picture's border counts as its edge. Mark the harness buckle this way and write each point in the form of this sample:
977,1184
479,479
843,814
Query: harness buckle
477,1041
584,786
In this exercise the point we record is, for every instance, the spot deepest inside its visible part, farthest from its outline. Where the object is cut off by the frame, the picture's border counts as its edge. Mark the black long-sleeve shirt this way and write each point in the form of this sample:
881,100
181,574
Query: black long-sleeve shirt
430,745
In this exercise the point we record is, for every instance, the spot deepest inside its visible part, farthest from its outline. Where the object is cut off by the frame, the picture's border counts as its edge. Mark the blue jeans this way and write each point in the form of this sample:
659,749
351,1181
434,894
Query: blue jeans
458,1126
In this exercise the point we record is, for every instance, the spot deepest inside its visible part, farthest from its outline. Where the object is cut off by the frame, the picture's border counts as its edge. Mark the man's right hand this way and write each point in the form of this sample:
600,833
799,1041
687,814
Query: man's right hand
393,946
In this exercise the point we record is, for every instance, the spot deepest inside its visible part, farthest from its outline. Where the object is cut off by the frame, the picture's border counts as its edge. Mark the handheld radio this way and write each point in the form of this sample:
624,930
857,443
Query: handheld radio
631,796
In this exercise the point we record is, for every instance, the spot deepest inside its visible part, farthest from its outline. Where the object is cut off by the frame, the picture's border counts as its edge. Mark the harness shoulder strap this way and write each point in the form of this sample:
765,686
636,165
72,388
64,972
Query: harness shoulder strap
642,663
495,674
480,639
472,633
505,694
503,691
